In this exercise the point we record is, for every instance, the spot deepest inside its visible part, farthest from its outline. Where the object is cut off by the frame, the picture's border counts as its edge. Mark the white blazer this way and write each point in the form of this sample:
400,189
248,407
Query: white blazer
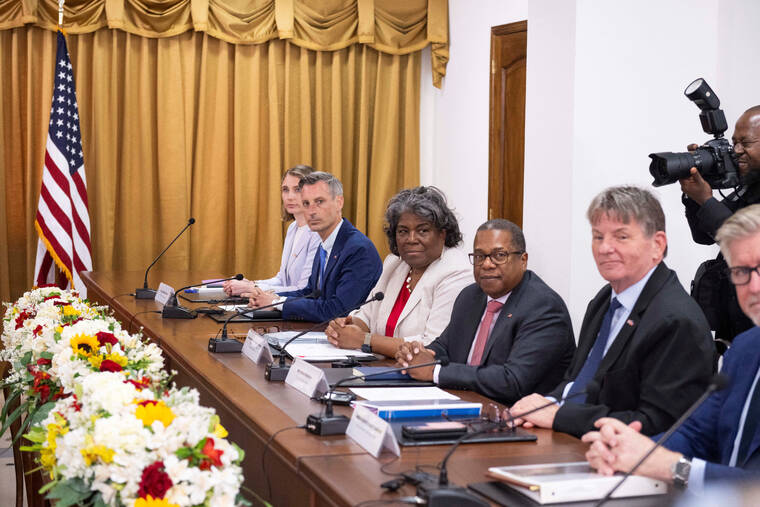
428,310
297,259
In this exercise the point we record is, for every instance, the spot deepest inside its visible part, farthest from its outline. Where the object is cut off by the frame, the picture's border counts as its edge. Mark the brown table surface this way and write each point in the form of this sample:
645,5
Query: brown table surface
301,468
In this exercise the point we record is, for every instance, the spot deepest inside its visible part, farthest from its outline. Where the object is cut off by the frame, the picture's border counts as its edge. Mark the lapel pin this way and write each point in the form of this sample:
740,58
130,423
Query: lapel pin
629,322
509,315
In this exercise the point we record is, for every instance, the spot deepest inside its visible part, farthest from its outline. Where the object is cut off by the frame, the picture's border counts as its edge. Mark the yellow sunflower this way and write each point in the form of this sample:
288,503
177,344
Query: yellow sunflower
84,344
70,311
149,501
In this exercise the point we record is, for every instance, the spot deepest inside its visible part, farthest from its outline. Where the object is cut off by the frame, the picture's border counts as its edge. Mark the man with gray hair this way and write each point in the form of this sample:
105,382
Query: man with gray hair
721,440
645,351
346,265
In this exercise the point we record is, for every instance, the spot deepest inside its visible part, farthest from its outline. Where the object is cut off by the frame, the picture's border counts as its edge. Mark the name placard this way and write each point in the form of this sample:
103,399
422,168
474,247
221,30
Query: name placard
164,293
371,432
256,348
307,378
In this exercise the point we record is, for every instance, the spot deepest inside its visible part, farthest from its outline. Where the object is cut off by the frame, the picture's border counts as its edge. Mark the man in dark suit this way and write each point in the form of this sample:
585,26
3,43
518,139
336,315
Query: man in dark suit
721,440
645,350
346,265
509,333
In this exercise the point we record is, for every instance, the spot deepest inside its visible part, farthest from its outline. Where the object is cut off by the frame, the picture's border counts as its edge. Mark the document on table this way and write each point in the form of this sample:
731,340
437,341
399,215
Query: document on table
232,308
279,339
323,351
402,393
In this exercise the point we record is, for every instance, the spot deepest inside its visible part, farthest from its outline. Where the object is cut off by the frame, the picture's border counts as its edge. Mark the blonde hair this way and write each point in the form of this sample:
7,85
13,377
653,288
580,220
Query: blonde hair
740,225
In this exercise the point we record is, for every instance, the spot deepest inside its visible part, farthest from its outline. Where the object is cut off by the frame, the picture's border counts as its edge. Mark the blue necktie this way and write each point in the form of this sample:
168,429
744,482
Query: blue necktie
597,354
322,264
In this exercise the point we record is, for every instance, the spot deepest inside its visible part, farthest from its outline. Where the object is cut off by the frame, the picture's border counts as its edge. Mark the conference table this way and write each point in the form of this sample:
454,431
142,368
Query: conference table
296,468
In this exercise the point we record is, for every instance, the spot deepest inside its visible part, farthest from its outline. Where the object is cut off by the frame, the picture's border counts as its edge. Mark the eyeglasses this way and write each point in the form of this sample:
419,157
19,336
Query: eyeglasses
476,259
741,275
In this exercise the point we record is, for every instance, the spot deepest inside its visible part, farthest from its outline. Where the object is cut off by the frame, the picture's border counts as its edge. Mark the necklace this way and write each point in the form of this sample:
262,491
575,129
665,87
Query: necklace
409,282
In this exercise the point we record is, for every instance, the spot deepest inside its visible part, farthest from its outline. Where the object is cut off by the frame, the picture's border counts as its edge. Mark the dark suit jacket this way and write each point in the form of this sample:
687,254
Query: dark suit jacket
660,362
710,432
352,270
529,348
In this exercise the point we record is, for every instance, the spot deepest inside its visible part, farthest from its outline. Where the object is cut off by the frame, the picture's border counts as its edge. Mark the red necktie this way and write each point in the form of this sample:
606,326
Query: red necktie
485,328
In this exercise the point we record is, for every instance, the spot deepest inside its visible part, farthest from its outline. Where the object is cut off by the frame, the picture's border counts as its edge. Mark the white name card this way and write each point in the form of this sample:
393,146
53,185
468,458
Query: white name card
164,293
256,348
307,378
371,432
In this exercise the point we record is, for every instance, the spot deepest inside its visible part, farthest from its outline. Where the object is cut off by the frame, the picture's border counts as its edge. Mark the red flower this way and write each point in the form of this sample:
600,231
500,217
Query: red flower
22,318
155,481
72,322
105,337
108,365
75,404
141,384
38,330
212,454
43,362
43,390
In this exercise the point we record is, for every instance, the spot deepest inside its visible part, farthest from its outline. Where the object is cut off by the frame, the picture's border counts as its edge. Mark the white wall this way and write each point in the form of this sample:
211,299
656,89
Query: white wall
454,119
605,87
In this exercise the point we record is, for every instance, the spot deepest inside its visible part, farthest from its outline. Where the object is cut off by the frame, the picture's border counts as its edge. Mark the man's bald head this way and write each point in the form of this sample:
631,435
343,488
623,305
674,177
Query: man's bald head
746,142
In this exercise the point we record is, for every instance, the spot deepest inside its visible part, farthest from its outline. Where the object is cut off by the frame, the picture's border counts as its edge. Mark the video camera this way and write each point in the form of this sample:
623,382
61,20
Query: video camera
715,160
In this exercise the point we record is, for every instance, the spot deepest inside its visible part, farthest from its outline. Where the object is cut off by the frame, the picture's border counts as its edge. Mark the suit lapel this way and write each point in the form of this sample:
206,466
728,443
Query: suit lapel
299,246
652,287
416,296
506,316
337,249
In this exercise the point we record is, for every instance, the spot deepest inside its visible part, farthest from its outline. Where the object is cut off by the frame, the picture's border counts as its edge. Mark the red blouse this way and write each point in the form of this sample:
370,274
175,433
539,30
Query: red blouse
398,306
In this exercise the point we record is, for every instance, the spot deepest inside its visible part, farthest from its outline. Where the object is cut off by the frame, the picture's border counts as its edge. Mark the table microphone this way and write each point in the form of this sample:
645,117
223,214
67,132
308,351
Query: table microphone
443,494
224,344
278,372
717,383
330,424
173,310
144,292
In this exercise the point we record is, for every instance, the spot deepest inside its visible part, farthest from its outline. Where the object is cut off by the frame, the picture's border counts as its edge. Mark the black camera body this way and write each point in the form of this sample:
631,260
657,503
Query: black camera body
715,160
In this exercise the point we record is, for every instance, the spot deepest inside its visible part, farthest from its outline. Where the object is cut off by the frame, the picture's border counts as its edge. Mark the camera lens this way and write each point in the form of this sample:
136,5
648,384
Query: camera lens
667,167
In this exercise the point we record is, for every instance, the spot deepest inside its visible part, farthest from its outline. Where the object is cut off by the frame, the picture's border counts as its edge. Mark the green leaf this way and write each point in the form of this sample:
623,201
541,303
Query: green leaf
241,453
47,486
46,355
184,452
8,403
36,435
98,500
70,492
14,415
41,413
26,358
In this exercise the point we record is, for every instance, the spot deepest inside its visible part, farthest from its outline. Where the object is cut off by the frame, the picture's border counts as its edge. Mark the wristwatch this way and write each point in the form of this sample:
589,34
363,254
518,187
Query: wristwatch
367,346
680,472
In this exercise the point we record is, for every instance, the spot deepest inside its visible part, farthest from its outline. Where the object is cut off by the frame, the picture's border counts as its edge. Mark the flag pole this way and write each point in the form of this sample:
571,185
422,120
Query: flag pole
60,13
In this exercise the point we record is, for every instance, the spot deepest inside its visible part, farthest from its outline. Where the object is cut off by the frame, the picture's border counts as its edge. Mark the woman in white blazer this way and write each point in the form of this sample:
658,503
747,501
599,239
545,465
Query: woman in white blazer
421,277
300,244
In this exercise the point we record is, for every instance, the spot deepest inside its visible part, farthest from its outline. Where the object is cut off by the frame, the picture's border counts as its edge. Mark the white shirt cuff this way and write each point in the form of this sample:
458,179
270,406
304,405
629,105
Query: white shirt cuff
436,372
281,300
696,483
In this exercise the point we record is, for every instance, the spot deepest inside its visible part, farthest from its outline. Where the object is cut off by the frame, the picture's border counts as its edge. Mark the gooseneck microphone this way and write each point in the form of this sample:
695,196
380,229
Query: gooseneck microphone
717,383
278,372
173,310
225,344
443,493
144,292
330,424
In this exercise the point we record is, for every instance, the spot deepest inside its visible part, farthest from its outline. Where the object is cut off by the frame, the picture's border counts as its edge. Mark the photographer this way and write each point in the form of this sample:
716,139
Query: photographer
706,214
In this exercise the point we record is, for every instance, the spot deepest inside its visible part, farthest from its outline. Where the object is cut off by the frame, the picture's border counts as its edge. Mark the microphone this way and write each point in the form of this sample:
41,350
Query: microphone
277,373
329,424
224,344
442,493
144,292
717,383
173,310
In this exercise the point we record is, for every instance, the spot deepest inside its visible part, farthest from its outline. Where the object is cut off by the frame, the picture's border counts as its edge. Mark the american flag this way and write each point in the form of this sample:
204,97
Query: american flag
63,220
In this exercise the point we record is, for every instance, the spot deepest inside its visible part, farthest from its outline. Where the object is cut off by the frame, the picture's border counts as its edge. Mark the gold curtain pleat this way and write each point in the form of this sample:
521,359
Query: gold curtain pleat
192,125
395,27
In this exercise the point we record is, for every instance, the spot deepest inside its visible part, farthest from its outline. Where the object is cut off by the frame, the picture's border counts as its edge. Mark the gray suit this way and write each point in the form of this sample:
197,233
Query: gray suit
528,351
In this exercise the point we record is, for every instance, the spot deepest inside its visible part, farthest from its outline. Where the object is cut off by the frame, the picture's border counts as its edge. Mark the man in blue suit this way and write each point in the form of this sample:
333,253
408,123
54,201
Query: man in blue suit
721,440
346,265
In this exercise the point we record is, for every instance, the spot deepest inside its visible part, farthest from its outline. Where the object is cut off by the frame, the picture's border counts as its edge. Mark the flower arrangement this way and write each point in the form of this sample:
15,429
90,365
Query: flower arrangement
108,426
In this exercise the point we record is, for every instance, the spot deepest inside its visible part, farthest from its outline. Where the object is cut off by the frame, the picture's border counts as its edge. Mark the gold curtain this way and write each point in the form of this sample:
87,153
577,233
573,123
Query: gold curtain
194,125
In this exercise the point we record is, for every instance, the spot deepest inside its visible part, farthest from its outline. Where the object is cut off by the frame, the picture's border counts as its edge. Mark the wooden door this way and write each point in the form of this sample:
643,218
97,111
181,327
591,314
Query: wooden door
507,121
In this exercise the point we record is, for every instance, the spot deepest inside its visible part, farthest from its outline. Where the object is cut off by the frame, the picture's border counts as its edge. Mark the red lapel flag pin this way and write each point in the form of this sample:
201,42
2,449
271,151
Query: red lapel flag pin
629,322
